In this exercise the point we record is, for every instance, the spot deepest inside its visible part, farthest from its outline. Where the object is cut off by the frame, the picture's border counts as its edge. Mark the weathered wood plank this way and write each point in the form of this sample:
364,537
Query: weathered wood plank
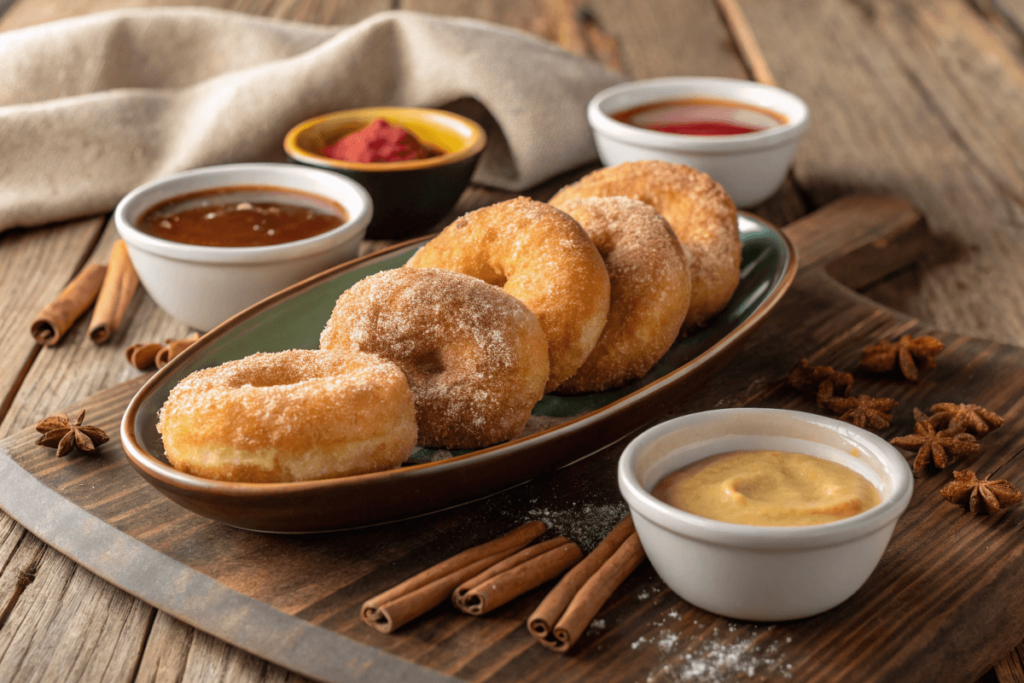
175,652
34,267
866,222
921,101
211,659
686,40
70,625
166,652
568,23
19,562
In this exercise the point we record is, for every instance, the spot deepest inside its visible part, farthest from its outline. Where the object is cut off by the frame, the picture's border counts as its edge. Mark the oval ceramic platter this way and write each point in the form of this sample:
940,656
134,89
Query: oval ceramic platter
563,429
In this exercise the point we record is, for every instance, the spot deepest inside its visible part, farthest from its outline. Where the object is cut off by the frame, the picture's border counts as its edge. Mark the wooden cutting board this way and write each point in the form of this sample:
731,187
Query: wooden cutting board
944,603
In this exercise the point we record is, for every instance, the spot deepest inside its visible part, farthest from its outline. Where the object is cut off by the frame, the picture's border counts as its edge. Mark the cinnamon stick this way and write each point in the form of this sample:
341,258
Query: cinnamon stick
143,356
116,294
542,621
395,607
513,576
595,592
173,349
59,315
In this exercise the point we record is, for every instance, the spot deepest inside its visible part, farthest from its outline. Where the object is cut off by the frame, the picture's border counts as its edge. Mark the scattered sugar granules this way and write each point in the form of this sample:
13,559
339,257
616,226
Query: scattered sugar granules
584,523
710,660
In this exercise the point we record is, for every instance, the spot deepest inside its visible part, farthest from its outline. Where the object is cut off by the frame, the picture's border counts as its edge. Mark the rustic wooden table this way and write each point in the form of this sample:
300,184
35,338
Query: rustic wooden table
920,100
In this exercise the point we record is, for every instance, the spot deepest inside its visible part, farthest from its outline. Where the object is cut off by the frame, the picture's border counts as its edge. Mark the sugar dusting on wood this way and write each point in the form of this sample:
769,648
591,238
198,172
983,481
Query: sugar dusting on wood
584,523
712,657
596,627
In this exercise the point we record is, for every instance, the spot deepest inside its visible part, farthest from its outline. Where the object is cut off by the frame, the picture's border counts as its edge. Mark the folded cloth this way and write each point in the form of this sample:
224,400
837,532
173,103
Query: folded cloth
94,106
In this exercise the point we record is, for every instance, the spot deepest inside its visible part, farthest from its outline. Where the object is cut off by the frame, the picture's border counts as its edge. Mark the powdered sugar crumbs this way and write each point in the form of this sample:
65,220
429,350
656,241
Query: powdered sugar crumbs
715,656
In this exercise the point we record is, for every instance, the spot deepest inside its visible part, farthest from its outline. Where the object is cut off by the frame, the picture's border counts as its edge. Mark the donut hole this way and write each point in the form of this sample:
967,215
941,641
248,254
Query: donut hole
429,363
261,384
489,273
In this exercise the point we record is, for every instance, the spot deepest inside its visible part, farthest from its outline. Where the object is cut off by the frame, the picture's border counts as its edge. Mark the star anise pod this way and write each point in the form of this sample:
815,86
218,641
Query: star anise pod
964,417
866,412
807,377
59,432
935,448
980,497
911,355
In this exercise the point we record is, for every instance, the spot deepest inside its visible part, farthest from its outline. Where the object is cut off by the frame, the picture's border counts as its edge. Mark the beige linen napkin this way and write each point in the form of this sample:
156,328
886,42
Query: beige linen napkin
91,107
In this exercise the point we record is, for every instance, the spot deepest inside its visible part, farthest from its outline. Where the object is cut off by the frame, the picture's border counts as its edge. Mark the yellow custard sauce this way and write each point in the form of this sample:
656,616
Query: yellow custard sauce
768,488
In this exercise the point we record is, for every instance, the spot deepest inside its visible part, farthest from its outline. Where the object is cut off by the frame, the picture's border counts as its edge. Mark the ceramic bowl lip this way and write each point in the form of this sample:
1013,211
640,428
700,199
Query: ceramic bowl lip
473,143
188,484
686,524
767,96
356,202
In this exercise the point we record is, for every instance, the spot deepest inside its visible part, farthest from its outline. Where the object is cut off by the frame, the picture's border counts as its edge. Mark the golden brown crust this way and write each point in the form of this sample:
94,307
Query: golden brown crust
290,416
699,211
650,290
542,257
475,357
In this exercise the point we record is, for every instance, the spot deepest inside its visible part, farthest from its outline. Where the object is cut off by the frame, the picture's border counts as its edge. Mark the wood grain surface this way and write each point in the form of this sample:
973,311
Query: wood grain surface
919,100
937,121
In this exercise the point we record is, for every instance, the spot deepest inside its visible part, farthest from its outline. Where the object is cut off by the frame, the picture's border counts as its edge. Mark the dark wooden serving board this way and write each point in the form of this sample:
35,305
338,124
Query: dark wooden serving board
945,602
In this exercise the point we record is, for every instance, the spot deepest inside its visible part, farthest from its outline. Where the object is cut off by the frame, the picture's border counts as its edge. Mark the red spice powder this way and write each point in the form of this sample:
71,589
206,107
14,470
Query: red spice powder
379,141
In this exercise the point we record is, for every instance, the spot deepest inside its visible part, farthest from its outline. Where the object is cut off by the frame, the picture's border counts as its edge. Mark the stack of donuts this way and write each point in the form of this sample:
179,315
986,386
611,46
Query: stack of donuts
453,350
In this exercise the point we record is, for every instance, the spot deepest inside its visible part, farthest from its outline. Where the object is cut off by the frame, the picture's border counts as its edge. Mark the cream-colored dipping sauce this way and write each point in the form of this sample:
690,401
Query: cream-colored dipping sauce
768,488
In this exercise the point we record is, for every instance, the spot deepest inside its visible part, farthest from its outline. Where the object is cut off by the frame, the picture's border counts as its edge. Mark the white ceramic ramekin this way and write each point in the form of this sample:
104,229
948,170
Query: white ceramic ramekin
762,573
751,167
204,286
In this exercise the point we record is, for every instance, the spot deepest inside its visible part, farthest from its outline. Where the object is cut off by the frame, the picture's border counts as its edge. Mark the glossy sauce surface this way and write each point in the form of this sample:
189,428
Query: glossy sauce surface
242,216
768,488
701,116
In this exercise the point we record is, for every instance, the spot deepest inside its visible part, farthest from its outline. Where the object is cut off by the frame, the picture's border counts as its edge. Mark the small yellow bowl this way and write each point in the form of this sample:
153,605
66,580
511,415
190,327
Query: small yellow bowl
408,196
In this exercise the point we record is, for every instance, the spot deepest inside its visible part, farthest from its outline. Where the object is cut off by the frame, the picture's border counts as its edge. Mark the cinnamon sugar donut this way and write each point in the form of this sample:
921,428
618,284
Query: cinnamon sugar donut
700,212
540,256
290,416
475,357
650,290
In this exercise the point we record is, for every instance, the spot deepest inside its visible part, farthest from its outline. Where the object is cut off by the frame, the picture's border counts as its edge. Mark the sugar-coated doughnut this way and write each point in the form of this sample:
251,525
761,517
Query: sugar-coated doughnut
540,256
475,357
700,212
650,281
290,416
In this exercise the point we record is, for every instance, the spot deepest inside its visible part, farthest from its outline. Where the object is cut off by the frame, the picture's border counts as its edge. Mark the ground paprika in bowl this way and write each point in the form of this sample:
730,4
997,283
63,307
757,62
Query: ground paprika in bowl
380,142
409,195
